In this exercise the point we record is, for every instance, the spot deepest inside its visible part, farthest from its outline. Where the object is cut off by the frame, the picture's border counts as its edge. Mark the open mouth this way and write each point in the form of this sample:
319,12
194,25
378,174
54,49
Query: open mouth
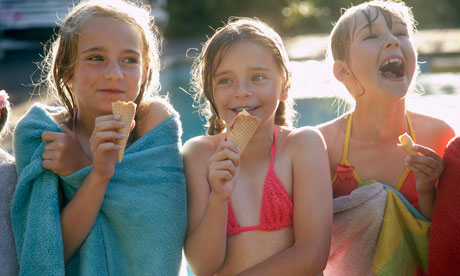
392,68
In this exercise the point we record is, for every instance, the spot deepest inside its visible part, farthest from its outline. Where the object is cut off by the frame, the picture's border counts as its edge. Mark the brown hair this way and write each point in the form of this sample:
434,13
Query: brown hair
59,65
204,66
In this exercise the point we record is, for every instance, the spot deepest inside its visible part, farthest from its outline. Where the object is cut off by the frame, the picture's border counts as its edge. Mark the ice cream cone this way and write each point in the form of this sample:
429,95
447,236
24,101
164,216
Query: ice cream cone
126,110
406,144
243,128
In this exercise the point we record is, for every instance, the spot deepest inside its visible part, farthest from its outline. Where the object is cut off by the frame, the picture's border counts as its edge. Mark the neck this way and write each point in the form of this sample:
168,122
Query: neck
379,121
84,124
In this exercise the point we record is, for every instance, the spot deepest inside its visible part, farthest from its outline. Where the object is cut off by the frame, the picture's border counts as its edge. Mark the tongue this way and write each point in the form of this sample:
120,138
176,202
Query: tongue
388,74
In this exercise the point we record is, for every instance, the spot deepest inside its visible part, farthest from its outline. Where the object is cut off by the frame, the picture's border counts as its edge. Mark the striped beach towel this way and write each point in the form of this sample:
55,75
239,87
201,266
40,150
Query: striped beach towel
402,247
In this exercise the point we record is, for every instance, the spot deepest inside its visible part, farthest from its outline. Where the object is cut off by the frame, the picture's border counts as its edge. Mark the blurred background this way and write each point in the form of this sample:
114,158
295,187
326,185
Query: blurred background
25,25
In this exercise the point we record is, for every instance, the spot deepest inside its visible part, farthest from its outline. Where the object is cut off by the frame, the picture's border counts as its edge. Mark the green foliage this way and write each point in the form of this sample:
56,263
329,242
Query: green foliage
290,17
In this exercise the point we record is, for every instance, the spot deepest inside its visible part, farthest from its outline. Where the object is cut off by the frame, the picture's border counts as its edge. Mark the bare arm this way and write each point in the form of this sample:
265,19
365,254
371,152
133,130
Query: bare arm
79,215
312,194
209,187
427,165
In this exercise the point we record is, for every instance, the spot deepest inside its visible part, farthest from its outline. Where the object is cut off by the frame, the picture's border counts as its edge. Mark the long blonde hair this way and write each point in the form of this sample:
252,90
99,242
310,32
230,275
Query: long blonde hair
342,33
59,64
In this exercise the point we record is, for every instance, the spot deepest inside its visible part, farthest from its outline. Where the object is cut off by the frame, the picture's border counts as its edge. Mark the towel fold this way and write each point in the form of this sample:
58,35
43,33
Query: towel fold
402,248
355,231
376,231
141,225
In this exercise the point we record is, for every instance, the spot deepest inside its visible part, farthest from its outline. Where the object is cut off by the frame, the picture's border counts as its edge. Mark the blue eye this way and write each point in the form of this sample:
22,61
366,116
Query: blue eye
95,58
130,60
224,81
258,77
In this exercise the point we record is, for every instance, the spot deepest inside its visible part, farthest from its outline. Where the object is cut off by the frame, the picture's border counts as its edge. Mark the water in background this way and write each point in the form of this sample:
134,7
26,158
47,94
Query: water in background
315,92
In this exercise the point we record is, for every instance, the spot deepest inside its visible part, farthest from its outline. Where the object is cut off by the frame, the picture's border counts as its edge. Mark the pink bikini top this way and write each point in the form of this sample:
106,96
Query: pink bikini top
277,206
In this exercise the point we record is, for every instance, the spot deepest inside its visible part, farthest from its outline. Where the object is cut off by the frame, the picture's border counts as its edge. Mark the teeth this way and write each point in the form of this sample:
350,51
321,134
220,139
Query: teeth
244,108
391,60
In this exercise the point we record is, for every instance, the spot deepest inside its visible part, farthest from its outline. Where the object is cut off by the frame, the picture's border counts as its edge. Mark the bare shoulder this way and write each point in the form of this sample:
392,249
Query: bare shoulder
304,141
152,113
305,136
200,148
331,129
431,132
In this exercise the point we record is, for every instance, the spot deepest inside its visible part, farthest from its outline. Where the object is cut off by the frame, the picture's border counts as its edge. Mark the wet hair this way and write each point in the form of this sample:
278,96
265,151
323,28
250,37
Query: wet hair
342,33
59,64
204,66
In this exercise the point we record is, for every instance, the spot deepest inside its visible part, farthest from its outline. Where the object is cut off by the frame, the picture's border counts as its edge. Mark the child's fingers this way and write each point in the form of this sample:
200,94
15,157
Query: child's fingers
427,152
106,147
108,125
224,165
228,145
227,151
421,168
50,136
105,136
107,118
433,162
427,165
50,155
222,175
48,164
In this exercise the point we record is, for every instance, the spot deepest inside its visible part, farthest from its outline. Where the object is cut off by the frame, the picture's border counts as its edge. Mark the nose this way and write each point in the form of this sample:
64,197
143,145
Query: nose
114,71
392,41
243,90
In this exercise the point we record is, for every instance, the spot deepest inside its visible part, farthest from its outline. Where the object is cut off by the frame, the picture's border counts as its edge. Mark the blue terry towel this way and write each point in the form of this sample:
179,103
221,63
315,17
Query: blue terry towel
141,226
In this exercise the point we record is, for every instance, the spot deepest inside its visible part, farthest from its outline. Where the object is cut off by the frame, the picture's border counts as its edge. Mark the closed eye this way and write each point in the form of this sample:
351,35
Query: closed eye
401,34
371,36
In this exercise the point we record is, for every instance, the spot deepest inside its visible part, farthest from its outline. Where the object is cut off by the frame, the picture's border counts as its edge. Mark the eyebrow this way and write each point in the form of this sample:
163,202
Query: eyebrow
98,48
250,69
370,24
362,28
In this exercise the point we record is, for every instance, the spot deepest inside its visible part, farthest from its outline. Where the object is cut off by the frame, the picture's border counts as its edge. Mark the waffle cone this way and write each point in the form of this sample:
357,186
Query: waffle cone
406,144
126,110
243,128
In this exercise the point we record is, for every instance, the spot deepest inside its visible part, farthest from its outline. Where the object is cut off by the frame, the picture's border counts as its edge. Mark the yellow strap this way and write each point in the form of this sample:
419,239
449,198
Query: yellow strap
345,152
347,140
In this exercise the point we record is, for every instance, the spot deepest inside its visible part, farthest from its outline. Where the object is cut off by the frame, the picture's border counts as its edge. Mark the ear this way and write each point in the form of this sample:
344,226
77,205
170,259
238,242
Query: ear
342,71
285,92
